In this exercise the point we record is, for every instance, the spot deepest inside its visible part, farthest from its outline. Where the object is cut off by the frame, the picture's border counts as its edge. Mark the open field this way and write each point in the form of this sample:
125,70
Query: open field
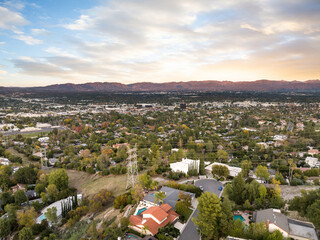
289,192
89,184
25,160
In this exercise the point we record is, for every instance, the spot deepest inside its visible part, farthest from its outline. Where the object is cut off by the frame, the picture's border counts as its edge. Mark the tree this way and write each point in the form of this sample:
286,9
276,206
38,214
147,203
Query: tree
26,175
246,166
26,217
145,180
238,187
25,234
51,215
202,170
4,228
159,196
52,192
20,197
11,210
262,172
226,221
223,156
220,171
209,215
59,178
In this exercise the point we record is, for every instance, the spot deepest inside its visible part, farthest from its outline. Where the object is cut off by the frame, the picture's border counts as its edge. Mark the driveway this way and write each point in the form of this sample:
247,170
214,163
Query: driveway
210,185
190,231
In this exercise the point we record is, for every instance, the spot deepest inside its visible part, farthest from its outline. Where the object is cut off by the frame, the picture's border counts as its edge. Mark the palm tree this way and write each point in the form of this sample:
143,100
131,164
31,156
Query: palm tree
159,196
144,230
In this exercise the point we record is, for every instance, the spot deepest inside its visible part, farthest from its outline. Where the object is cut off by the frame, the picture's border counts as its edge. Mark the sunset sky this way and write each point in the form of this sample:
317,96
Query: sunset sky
45,42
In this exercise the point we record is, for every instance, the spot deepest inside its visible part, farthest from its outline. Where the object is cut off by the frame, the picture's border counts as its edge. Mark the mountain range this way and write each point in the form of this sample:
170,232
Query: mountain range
206,86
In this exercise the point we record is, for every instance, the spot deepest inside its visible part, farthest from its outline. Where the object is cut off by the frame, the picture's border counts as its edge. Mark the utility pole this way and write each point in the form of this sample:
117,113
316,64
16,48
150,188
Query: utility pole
44,162
132,167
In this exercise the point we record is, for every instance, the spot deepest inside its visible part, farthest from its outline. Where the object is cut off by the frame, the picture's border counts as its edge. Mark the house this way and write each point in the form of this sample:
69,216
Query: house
233,171
43,139
4,161
172,196
18,187
312,161
185,165
150,220
289,228
313,151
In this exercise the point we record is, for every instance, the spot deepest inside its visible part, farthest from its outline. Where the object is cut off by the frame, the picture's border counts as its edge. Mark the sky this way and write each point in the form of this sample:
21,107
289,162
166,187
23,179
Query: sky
44,42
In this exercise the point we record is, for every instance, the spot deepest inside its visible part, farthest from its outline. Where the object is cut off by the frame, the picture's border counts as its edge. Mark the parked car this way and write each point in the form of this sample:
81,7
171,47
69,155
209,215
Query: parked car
220,188
201,188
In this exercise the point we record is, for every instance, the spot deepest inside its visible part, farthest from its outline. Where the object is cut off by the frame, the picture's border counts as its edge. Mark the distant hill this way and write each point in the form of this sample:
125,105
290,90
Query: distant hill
209,86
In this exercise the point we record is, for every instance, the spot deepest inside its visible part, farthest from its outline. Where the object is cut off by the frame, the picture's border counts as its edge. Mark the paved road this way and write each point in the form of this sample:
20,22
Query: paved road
190,231
210,185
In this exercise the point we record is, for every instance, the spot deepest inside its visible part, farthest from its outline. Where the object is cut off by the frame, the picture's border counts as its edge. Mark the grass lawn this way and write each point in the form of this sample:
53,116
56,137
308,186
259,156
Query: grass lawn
25,160
89,184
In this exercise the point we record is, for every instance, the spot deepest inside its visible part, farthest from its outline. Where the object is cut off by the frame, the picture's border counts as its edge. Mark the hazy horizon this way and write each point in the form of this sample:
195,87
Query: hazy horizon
56,42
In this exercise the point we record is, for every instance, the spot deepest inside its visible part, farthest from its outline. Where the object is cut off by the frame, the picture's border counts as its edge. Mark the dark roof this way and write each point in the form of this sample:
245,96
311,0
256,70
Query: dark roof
273,216
172,196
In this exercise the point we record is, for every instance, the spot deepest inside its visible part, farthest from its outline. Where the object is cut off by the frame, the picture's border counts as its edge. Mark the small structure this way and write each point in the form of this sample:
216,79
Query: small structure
185,165
312,161
289,228
4,161
150,220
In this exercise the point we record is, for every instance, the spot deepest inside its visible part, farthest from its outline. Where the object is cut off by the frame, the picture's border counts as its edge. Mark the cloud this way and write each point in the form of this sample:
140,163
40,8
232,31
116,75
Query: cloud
131,41
39,31
28,39
11,19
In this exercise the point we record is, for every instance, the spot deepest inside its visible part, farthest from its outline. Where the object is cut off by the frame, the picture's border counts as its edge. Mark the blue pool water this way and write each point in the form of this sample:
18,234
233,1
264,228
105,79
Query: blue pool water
152,194
130,236
236,217
141,211
42,217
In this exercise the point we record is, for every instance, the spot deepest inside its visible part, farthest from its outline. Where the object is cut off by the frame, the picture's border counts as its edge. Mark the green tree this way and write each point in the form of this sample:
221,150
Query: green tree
238,187
209,215
52,192
202,170
20,197
226,221
159,196
25,234
246,166
26,217
220,171
145,180
262,172
223,156
4,228
51,215
59,178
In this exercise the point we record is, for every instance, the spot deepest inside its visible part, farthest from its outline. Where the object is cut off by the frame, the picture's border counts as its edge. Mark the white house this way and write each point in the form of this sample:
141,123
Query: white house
185,165
43,139
234,171
312,161
4,161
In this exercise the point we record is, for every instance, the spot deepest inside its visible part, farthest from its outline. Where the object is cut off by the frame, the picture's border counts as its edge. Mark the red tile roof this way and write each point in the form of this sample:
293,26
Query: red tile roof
160,213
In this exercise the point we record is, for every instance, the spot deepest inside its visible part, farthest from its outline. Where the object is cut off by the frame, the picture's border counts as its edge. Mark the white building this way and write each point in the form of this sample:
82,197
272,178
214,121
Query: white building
43,139
234,171
185,165
312,162
4,161
43,125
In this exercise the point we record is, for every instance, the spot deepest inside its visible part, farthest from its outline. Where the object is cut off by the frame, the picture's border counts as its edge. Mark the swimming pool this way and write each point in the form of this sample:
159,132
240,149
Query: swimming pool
141,210
236,217
130,236
43,217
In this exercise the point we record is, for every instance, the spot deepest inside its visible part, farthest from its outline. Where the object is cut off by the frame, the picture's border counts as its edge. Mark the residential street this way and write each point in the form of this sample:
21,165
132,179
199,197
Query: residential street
190,231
